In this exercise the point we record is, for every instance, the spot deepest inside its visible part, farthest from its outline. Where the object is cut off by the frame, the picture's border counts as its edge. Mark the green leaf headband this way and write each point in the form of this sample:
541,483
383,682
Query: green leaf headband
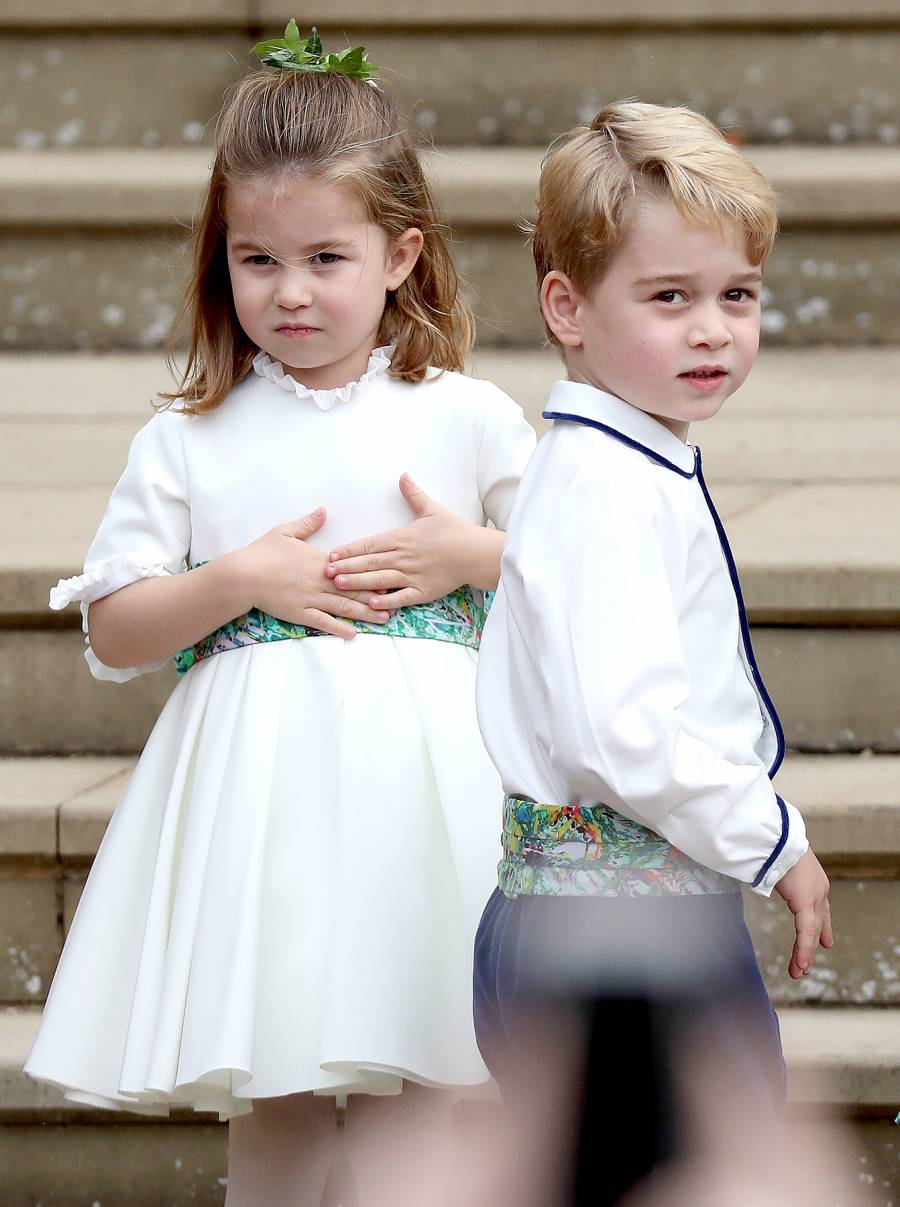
294,53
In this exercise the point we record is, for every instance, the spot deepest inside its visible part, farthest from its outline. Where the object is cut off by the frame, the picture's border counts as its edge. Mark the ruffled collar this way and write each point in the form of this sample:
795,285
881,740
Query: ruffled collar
324,399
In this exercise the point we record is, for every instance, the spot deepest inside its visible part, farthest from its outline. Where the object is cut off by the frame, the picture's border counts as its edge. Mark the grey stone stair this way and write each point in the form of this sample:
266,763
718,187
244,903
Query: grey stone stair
54,811
93,243
803,462
802,71
843,1063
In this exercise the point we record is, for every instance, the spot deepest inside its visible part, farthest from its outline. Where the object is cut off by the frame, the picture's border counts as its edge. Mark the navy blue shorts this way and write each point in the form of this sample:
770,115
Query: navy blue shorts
693,953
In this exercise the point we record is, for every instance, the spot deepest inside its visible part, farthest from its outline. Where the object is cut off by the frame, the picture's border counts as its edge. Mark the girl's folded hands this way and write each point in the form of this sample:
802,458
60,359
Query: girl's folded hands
434,554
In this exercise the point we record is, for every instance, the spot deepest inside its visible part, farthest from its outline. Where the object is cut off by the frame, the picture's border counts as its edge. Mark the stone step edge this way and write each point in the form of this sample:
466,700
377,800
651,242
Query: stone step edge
478,186
854,820
833,589
248,14
846,1058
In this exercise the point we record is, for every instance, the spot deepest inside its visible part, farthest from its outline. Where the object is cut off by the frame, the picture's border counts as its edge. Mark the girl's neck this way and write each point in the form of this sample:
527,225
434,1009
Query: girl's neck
333,376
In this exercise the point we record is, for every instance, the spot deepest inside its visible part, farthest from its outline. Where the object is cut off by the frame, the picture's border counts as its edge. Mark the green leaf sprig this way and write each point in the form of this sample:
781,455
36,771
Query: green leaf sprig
296,53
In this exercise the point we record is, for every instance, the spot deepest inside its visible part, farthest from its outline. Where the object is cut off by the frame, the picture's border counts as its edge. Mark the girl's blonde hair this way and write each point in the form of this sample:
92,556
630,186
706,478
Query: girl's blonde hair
338,129
591,179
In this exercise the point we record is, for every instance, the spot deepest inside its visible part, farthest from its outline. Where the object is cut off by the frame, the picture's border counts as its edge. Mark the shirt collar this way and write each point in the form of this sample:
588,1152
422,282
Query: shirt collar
575,400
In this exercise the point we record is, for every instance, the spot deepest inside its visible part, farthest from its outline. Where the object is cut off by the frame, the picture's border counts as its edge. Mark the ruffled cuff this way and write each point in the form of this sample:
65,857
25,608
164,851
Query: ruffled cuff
98,581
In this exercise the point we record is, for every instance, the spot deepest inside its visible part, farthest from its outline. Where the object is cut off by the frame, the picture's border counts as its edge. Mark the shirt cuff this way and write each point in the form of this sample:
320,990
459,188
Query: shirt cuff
792,845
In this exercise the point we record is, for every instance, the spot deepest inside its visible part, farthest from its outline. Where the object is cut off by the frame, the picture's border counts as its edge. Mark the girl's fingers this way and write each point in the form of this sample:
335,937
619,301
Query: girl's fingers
382,542
379,580
349,609
407,598
364,564
421,503
314,619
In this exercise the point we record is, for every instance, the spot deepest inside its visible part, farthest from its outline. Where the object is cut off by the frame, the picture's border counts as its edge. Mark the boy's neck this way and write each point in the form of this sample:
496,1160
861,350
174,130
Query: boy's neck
677,427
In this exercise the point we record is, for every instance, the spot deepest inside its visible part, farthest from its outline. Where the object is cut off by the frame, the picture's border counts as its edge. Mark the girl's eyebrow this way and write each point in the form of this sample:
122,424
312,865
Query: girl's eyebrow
312,249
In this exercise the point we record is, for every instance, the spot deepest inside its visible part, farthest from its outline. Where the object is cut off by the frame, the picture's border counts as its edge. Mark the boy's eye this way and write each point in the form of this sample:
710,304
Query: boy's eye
740,295
671,297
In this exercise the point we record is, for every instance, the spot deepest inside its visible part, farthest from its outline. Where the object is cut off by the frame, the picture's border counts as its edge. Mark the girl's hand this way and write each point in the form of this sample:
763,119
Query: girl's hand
422,561
805,889
285,577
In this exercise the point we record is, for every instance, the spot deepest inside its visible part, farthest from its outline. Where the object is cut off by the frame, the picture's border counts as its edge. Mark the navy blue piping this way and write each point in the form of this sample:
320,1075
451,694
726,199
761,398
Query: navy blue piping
611,431
779,845
742,615
738,595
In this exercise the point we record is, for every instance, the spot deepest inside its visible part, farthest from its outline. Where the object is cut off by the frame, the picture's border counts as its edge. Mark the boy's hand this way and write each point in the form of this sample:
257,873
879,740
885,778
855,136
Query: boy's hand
805,890
419,562
285,577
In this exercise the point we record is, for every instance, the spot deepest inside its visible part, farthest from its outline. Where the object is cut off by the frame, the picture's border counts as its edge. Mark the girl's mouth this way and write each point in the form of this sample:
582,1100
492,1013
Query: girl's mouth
706,378
297,332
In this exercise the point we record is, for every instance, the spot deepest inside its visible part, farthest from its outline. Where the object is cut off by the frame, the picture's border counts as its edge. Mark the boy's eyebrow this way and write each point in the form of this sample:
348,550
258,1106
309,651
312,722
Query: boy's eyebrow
668,278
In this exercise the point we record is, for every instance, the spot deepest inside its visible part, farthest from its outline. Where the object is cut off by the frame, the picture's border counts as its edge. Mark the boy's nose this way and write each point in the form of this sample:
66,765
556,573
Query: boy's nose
710,330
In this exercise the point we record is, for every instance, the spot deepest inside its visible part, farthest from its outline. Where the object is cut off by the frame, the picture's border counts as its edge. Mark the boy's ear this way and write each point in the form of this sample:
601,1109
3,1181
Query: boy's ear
405,250
559,303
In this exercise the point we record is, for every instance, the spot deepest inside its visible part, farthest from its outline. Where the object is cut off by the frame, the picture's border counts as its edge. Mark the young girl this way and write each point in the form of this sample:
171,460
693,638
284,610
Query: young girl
286,899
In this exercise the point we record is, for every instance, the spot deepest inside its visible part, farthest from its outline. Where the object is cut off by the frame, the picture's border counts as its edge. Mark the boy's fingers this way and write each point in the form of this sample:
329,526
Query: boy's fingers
808,929
826,938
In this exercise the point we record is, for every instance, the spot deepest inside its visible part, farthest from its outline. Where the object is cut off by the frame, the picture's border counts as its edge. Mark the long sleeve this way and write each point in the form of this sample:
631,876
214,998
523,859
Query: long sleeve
507,442
595,586
145,531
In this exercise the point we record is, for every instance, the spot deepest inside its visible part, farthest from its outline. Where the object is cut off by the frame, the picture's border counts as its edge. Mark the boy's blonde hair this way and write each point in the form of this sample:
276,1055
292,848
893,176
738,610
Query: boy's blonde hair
591,179
344,131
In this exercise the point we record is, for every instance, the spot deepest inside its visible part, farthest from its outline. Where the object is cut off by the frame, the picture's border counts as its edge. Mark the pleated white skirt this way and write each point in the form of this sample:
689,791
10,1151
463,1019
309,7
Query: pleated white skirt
288,893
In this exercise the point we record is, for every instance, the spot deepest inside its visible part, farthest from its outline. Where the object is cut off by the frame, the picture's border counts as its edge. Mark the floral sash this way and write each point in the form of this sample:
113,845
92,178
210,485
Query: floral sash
457,618
593,851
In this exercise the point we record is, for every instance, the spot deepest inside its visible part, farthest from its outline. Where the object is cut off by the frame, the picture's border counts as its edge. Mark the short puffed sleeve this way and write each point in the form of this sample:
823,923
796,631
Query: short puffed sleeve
507,442
145,531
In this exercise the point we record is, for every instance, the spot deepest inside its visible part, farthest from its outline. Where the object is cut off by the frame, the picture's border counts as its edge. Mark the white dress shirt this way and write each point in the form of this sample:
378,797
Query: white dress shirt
616,665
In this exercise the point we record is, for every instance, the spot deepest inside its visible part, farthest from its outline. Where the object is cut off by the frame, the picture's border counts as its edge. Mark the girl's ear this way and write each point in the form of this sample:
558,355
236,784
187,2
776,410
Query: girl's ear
560,305
405,250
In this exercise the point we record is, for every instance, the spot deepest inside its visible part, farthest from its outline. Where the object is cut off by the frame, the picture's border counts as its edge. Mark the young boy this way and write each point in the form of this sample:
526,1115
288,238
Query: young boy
618,693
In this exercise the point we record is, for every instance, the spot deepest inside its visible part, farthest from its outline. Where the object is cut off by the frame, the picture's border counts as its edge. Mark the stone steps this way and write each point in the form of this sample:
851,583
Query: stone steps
176,14
803,71
54,811
842,1063
93,243
803,460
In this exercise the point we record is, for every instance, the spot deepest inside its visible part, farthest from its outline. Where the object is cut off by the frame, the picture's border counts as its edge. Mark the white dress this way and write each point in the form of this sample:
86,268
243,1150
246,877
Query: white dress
287,895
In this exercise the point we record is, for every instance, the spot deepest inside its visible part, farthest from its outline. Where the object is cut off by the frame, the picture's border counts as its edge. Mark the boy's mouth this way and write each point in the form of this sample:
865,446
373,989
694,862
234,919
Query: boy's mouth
706,377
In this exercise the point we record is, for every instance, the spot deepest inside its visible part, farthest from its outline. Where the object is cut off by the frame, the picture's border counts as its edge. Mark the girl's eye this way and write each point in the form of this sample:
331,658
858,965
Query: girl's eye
671,297
325,258
261,260
740,295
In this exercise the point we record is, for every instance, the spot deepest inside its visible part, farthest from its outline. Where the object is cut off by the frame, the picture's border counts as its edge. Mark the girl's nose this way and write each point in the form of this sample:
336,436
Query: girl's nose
292,289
